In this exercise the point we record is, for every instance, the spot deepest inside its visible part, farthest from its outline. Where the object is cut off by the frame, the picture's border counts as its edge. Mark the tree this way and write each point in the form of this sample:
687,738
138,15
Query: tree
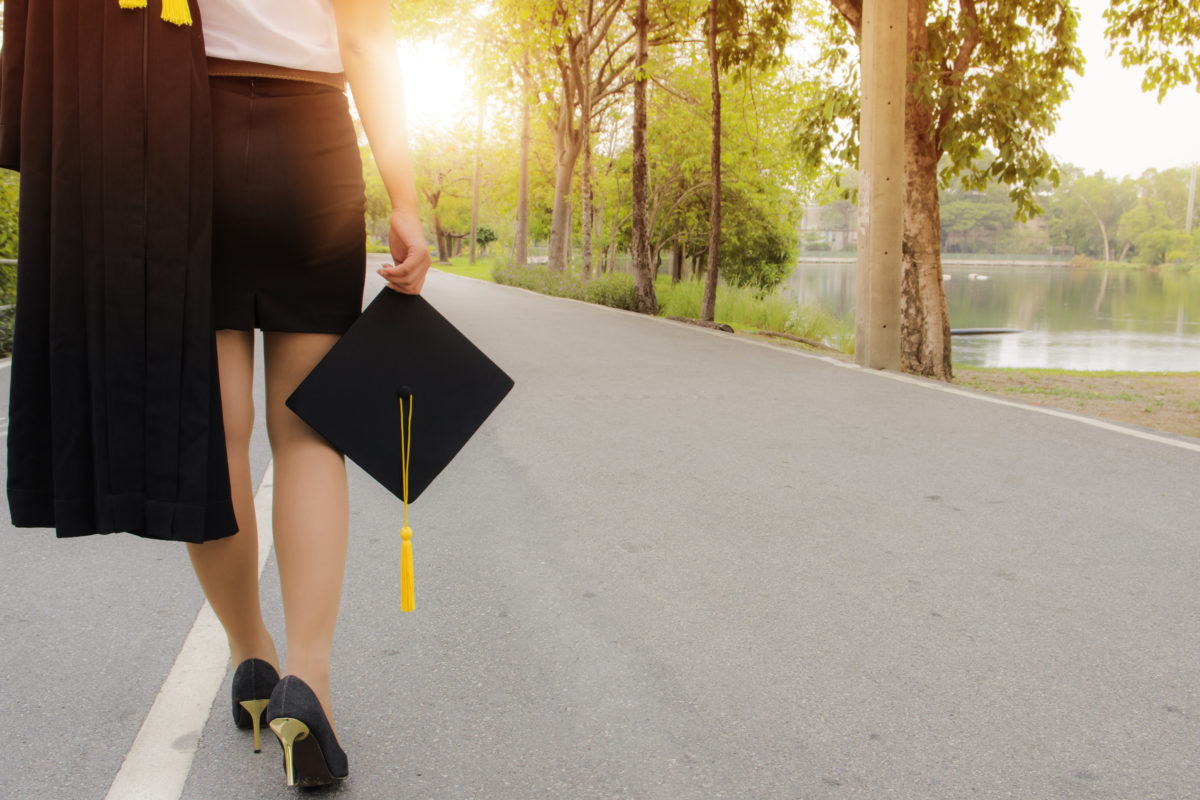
763,180
379,203
1159,35
442,176
484,236
644,295
972,222
578,41
744,35
981,74
1085,213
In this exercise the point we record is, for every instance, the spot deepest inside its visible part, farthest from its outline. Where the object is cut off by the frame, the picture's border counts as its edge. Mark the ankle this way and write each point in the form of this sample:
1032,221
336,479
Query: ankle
260,647
316,675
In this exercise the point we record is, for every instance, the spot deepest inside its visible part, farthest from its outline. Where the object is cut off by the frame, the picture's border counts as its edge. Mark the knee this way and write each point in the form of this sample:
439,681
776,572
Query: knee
286,430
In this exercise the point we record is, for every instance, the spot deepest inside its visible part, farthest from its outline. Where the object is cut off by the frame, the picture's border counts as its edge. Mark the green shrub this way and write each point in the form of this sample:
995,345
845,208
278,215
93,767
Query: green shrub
756,256
8,297
10,191
7,319
8,284
541,279
615,289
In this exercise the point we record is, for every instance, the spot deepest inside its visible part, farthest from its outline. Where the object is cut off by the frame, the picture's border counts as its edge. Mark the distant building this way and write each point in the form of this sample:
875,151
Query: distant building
829,228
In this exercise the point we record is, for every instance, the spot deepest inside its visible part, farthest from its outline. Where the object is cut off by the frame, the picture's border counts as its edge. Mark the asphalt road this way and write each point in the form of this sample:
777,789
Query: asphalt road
676,564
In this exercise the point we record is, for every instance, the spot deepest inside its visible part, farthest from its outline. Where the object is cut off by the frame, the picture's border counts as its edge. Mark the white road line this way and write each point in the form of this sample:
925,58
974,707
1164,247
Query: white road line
157,764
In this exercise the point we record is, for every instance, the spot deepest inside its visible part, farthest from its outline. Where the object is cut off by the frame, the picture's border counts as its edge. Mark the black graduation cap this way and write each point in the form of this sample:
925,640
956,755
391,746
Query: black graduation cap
400,394
401,355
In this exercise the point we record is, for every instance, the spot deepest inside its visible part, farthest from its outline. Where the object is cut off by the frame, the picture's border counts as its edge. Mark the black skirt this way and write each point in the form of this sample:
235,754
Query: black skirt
289,231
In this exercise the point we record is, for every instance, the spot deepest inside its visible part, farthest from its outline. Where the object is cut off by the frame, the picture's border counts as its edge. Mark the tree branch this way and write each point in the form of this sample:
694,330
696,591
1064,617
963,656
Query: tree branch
607,71
962,62
674,92
852,11
606,20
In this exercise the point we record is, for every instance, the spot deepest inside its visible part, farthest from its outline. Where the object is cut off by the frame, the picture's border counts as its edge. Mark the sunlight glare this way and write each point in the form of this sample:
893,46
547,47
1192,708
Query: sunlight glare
436,89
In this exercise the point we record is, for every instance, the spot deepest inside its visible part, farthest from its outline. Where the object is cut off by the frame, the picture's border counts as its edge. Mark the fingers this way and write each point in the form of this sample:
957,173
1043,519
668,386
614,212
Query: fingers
402,281
408,276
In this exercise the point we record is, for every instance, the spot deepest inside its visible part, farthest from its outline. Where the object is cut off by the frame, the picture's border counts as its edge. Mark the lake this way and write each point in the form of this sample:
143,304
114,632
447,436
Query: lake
1070,318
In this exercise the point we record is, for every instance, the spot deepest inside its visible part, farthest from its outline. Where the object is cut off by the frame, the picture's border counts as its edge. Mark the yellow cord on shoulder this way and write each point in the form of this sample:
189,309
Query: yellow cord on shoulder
407,593
174,11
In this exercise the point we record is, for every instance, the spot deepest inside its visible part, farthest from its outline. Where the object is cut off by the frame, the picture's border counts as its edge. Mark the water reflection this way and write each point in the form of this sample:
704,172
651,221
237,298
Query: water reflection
1073,319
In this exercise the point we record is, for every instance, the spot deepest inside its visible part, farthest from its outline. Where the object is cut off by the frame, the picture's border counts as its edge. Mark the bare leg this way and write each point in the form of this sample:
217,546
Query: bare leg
311,510
228,568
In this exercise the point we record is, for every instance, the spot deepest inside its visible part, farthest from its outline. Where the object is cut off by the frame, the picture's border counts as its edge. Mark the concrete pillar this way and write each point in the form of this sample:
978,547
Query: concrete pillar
881,184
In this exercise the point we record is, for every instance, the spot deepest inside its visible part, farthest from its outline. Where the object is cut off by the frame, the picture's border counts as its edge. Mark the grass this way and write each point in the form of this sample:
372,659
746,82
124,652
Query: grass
1164,401
744,308
461,265
741,308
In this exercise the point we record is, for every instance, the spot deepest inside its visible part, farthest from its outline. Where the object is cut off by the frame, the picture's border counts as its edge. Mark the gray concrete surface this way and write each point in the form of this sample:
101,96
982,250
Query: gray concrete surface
679,565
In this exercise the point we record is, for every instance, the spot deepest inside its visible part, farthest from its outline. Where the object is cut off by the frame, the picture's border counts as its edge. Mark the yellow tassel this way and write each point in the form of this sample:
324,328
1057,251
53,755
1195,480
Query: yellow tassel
407,595
176,11
408,599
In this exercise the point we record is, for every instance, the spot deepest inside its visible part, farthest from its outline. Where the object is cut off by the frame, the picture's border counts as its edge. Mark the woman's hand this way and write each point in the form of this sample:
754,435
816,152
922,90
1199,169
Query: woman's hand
410,254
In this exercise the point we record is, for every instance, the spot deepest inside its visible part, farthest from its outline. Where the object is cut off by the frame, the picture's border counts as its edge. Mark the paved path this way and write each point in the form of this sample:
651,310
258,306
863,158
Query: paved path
677,564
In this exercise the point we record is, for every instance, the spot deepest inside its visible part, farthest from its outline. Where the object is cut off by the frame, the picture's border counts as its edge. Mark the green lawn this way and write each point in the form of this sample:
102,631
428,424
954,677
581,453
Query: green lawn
460,265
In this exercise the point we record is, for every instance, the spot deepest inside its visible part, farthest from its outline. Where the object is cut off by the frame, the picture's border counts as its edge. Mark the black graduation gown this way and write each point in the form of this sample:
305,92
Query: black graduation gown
114,412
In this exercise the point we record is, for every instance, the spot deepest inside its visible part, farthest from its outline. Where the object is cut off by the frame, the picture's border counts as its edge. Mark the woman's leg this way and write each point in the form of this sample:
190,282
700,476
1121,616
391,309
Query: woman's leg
228,568
311,510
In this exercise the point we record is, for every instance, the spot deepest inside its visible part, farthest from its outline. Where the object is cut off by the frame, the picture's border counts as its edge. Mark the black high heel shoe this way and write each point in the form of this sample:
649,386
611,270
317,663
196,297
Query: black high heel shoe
311,753
253,682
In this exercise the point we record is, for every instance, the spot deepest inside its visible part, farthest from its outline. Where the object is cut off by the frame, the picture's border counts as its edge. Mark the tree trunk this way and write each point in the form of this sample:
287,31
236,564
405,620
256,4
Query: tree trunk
708,307
443,241
1103,227
925,321
586,215
567,151
570,240
475,183
585,175
676,257
646,300
521,237
598,231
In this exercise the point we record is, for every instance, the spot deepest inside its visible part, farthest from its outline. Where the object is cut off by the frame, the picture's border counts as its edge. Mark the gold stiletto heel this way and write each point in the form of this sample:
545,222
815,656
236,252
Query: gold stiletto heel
289,732
255,708
311,753
253,682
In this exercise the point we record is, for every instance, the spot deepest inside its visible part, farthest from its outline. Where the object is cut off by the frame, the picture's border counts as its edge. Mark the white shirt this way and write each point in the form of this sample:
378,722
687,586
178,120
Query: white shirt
300,34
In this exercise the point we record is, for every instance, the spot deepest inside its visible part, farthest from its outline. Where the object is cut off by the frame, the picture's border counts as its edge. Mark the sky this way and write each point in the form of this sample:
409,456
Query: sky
1109,123
435,86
